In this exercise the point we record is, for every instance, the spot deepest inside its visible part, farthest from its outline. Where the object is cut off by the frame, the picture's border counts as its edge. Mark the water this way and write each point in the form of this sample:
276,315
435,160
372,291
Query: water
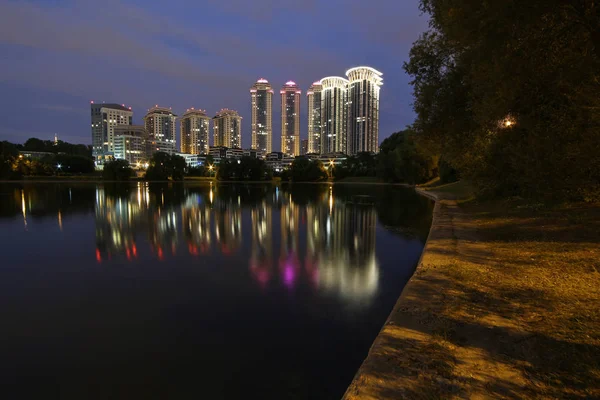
198,291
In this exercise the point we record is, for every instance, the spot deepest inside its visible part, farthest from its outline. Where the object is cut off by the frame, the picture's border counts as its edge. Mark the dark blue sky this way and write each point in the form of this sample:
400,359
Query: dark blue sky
57,55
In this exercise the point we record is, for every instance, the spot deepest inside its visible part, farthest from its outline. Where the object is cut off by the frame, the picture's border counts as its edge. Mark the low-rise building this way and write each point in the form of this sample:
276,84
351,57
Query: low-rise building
130,143
193,160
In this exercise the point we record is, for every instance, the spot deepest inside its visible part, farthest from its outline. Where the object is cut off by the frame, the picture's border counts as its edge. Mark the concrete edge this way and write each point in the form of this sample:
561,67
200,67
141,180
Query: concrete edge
400,302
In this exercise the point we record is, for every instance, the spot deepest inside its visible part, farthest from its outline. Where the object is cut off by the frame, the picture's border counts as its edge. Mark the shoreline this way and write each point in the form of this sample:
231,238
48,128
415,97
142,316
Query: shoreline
503,303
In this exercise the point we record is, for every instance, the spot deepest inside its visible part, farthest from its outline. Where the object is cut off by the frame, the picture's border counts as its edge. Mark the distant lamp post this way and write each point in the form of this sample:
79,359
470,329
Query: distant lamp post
58,166
508,122
211,168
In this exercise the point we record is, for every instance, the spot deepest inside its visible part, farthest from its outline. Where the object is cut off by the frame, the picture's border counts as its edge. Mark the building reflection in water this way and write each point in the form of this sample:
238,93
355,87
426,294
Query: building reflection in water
325,241
262,243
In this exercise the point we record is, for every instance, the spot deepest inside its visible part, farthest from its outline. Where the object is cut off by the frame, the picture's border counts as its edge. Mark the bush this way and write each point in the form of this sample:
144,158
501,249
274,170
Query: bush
117,170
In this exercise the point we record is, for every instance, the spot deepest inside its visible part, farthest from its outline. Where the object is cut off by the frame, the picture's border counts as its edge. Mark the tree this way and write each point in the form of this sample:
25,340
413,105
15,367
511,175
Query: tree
305,170
247,169
403,159
507,92
117,170
164,167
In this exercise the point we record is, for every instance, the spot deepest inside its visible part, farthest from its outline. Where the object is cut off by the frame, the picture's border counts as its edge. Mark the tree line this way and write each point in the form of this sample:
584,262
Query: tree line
507,93
63,158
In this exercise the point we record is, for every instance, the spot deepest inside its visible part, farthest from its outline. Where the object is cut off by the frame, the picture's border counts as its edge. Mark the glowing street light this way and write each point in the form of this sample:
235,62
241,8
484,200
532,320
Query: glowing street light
58,166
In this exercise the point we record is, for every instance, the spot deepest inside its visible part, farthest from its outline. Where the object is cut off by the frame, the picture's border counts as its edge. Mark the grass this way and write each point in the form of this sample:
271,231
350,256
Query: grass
461,190
505,304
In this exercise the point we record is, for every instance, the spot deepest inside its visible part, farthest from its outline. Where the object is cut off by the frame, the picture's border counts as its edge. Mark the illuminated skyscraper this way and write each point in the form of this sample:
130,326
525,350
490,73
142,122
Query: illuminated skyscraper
333,115
195,128
363,109
313,96
261,94
104,119
290,119
160,125
227,126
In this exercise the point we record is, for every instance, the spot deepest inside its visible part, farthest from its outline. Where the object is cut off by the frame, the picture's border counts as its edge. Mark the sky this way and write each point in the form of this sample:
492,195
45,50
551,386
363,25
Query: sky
58,55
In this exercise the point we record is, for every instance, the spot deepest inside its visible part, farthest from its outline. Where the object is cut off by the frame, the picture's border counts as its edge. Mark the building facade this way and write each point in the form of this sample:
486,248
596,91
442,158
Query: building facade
333,114
195,132
261,94
290,119
105,117
313,96
227,125
364,84
131,144
160,125
303,147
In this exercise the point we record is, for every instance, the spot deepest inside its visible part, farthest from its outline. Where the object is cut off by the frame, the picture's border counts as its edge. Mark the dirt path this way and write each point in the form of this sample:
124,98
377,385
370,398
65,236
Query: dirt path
505,303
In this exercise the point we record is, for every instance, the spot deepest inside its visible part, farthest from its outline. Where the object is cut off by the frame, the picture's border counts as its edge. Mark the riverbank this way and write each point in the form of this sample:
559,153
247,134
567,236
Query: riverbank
505,303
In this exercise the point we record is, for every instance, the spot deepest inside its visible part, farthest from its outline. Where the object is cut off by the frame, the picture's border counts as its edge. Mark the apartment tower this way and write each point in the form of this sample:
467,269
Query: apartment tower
261,94
333,114
227,125
364,84
313,96
290,119
160,125
195,132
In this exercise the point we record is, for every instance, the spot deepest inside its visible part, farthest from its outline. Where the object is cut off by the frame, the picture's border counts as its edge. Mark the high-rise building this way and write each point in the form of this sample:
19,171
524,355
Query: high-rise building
303,146
160,125
131,143
104,119
290,119
195,132
333,114
261,94
363,109
314,117
227,125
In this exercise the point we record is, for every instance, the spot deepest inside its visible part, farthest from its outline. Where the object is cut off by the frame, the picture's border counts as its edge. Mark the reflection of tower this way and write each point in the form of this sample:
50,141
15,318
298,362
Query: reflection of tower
195,219
262,243
228,226
117,220
288,257
289,228
342,238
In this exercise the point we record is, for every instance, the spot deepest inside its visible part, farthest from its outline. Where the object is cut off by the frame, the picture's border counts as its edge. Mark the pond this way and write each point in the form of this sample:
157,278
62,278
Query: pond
188,291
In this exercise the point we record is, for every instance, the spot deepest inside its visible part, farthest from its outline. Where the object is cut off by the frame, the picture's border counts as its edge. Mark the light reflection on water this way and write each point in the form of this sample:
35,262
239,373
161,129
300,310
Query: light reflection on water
178,291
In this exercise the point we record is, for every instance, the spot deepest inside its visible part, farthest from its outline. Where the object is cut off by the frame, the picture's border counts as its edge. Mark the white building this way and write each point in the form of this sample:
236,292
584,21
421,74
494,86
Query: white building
364,84
131,143
105,117
333,114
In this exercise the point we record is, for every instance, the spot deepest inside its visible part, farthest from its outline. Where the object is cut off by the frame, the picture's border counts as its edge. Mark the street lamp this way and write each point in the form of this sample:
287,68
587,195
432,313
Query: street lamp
210,168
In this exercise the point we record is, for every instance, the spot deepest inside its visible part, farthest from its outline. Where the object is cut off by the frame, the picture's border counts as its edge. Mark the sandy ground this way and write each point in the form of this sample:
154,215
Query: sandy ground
505,303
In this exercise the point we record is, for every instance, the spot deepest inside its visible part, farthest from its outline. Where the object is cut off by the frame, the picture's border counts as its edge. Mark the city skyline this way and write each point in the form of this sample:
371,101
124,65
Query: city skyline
179,64
343,117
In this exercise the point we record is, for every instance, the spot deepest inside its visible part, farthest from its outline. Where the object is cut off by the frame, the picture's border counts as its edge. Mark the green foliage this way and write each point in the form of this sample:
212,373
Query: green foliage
164,167
198,171
34,144
245,169
117,170
305,170
74,164
535,63
361,164
403,159
446,172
